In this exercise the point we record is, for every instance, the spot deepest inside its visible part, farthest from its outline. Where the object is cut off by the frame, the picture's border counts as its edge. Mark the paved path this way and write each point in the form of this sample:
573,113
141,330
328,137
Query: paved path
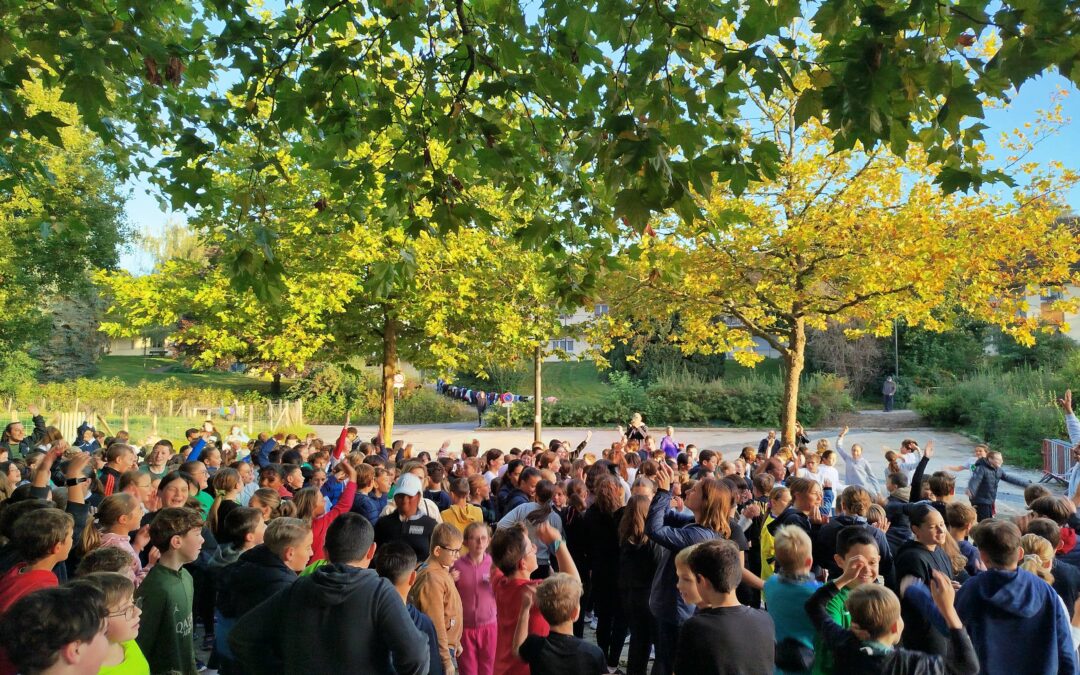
950,448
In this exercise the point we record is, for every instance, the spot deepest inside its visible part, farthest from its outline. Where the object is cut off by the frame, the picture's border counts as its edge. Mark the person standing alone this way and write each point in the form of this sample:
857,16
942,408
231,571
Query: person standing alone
888,392
481,406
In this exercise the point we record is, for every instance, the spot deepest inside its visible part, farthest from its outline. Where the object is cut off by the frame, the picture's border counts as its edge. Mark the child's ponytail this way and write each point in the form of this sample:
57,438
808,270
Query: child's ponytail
226,480
110,511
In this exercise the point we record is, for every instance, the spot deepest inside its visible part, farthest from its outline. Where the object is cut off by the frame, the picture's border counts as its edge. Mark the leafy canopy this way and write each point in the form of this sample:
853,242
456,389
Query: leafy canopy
579,111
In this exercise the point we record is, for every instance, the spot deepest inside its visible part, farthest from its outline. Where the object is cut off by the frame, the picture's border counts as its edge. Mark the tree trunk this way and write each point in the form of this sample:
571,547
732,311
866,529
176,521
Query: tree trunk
794,360
389,369
275,386
538,361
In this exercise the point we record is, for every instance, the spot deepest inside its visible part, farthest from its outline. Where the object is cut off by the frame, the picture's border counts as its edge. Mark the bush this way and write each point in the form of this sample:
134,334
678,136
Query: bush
1012,411
333,389
686,399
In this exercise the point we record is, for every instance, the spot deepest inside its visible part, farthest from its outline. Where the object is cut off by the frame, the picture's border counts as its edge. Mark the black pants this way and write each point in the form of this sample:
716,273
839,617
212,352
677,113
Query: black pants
667,643
610,623
888,402
635,606
984,511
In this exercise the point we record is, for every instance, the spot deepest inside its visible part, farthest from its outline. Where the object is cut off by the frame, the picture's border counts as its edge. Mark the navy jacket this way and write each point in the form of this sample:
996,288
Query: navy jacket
424,625
665,602
262,457
983,485
1002,610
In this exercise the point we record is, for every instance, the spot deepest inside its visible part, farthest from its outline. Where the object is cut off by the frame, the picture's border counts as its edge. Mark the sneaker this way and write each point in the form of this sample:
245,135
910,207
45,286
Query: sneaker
200,666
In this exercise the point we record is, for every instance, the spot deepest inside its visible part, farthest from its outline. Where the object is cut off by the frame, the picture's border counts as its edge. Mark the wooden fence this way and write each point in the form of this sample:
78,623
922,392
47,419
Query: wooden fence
111,416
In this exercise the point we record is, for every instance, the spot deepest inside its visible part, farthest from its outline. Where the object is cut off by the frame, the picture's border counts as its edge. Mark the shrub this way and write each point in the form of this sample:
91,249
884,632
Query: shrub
686,399
1012,411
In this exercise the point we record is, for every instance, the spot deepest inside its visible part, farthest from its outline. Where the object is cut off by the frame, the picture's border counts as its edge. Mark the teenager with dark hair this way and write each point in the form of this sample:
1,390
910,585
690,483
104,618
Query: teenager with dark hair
723,636
342,617
1015,620
919,559
396,562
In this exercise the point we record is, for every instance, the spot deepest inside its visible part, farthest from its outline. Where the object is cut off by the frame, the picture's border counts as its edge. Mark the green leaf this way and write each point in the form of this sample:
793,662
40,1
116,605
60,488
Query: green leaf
961,102
46,125
630,205
809,105
957,180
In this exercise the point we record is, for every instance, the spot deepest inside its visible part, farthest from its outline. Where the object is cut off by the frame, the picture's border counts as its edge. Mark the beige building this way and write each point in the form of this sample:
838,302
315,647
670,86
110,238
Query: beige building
574,344
1067,321
137,346
572,340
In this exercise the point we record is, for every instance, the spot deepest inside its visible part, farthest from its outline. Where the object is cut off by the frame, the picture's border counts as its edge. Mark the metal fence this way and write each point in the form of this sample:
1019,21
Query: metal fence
1057,459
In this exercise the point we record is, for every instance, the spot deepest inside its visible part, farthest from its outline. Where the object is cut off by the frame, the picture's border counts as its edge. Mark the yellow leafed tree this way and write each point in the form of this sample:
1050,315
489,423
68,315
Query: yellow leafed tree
858,238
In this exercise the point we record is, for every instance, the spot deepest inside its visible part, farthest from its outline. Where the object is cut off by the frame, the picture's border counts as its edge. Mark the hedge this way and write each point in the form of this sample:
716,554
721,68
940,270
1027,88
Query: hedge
687,400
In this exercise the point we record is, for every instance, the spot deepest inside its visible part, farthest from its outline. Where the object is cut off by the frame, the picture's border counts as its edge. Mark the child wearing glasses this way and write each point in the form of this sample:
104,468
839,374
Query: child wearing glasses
124,656
435,594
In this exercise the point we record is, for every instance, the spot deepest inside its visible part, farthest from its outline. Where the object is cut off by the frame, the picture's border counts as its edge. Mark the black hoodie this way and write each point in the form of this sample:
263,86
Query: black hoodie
340,619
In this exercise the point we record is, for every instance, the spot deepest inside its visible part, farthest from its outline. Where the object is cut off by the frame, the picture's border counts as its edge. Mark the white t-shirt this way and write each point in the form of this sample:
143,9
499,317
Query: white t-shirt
830,475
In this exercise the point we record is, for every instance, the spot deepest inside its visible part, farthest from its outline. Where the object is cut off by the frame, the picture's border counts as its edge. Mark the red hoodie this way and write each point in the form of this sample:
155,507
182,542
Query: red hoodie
1068,540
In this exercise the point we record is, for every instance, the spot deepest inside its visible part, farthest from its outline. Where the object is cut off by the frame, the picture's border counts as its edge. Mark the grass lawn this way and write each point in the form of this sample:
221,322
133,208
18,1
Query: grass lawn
133,369
766,368
577,381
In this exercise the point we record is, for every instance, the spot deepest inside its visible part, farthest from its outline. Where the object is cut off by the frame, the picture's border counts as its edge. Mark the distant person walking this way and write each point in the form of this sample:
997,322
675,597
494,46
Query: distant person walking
888,392
481,406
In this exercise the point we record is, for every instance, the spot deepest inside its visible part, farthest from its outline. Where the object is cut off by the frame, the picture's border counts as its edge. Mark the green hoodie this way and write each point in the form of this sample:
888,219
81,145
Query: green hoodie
165,631
837,611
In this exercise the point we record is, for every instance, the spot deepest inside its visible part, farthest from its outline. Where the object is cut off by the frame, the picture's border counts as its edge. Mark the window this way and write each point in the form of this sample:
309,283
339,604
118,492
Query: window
565,344
600,309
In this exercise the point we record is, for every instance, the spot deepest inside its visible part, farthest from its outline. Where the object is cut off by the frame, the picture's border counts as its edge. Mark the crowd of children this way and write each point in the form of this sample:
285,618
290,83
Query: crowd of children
288,555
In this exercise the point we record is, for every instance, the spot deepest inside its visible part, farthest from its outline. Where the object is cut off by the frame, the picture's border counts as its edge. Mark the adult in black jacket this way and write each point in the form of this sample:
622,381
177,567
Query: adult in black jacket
636,430
920,558
406,523
343,618
15,440
855,503
266,569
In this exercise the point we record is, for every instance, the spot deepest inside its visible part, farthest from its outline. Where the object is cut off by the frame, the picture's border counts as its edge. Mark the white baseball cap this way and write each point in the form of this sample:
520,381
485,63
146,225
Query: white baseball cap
408,485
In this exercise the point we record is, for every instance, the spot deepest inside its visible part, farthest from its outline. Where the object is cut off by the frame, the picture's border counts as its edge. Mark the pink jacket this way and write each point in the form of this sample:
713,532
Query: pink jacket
124,544
477,594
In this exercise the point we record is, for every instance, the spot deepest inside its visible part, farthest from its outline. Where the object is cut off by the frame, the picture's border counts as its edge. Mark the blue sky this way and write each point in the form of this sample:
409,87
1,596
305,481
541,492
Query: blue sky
147,216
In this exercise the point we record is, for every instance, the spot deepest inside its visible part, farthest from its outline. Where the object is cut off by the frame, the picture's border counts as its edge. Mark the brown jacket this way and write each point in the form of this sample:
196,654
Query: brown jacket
436,595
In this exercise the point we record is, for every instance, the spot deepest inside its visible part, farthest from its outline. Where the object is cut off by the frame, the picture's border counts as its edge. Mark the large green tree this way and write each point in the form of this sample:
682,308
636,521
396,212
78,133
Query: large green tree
618,107
57,224
350,284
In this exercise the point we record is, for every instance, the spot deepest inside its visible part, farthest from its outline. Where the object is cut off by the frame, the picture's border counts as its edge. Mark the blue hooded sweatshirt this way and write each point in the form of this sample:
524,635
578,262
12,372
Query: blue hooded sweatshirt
1016,623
